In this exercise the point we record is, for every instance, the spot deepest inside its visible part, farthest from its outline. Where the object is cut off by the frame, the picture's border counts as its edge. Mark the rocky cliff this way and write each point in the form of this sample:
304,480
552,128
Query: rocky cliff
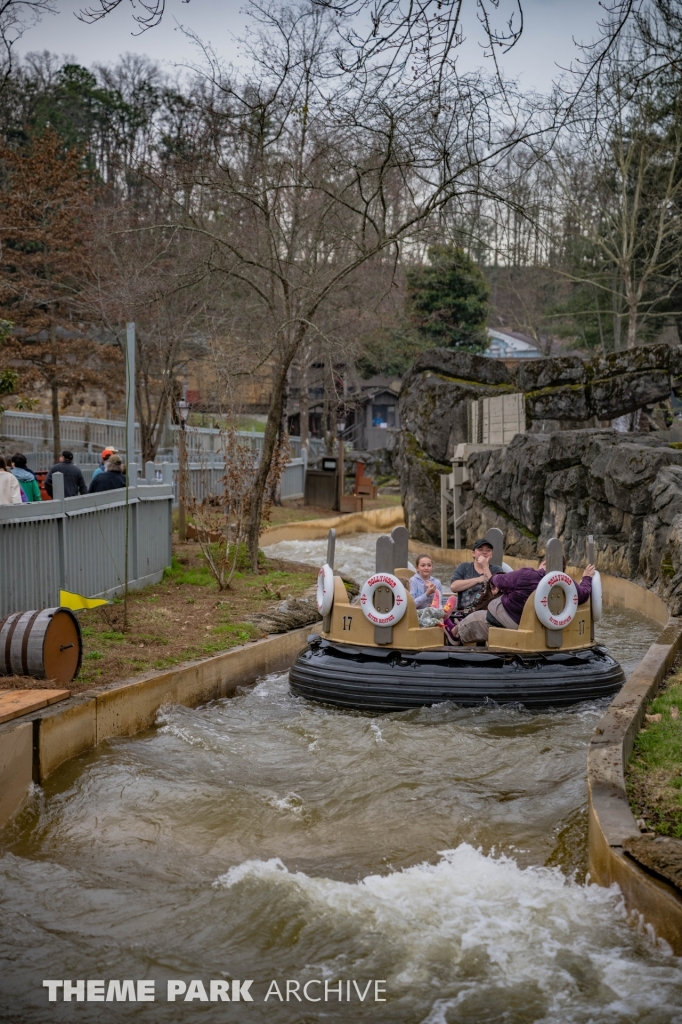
625,489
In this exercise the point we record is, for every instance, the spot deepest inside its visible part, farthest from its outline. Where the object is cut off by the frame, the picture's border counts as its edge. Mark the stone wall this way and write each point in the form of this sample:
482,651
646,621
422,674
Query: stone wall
625,489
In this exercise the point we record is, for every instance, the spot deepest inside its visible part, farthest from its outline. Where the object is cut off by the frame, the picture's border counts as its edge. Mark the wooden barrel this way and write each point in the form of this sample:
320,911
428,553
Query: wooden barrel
46,644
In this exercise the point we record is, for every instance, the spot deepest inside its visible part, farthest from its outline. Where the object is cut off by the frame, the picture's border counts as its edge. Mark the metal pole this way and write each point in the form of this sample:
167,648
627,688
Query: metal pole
130,401
182,483
130,456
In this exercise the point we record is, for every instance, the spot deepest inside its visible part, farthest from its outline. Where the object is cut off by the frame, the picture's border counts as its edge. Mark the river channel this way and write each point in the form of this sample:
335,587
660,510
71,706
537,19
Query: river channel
260,837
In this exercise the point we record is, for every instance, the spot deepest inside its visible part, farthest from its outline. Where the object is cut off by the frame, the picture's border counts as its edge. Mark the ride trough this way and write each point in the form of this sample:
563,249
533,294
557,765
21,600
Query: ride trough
374,655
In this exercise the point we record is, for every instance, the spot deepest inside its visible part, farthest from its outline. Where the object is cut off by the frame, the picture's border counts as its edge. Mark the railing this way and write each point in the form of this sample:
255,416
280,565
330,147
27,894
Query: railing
205,478
35,430
78,544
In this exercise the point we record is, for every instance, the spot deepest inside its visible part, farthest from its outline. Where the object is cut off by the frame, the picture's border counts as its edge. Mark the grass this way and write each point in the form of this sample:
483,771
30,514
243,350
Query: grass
654,773
183,618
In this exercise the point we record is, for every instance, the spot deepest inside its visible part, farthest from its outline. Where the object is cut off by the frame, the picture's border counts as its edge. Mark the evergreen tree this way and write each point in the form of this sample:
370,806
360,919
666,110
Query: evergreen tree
447,300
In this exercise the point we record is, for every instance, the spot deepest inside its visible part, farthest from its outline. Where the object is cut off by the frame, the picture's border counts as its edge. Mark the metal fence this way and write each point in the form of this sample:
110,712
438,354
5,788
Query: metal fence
205,478
78,544
34,431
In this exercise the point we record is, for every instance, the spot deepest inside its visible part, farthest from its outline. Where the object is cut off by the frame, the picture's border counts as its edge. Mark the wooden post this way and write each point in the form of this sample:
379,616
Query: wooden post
382,596
341,471
591,561
554,557
400,538
444,511
496,538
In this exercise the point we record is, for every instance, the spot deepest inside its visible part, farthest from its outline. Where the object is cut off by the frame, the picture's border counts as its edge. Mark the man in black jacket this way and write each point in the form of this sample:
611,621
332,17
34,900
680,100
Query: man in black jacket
111,478
74,481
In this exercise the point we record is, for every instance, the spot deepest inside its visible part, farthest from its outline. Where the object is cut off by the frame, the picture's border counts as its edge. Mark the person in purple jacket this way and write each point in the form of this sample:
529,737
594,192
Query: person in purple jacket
514,589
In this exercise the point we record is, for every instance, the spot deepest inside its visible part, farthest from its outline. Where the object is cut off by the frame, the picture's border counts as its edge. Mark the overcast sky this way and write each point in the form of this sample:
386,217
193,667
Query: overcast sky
551,29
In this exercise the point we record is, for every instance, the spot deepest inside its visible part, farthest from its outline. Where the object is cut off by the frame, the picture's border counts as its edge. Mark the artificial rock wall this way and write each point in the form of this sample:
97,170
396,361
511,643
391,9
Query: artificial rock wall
625,489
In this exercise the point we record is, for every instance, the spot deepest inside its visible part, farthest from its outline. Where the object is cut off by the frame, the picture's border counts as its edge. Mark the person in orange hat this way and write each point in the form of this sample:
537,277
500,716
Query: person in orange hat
106,452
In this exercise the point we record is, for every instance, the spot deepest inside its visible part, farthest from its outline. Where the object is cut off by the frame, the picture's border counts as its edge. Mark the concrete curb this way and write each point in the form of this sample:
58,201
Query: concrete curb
32,747
611,820
374,521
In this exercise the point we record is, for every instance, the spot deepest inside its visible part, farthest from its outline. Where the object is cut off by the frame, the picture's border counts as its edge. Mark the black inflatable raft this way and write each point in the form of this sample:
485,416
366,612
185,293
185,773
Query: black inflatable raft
387,679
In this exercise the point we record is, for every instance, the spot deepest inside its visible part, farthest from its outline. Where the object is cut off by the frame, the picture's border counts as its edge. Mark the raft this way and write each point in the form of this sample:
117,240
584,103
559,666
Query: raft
386,679
376,657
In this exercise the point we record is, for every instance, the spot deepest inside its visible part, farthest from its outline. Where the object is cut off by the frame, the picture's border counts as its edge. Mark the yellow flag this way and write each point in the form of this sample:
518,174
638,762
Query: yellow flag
75,602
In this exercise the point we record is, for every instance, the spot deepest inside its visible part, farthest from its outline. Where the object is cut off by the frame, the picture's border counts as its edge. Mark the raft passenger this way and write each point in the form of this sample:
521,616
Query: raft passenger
423,585
506,610
470,579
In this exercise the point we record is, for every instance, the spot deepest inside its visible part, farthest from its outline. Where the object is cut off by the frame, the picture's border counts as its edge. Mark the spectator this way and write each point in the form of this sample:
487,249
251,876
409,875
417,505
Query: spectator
106,452
10,491
26,478
74,482
112,478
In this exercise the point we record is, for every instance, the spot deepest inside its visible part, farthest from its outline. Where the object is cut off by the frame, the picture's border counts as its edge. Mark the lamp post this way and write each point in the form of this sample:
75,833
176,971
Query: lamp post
183,411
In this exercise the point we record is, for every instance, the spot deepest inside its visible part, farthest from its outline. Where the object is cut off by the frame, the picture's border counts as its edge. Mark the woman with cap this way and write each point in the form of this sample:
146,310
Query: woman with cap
112,478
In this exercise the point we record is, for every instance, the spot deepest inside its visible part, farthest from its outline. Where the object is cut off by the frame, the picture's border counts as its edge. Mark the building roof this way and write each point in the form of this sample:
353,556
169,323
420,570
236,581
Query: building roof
511,345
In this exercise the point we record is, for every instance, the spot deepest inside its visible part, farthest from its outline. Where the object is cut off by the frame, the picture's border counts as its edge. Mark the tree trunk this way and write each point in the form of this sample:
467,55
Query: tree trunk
56,436
632,326
54,388
303,403
272,427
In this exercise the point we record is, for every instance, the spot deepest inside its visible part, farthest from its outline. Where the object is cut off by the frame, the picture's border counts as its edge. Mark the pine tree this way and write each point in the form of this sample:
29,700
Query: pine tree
447,301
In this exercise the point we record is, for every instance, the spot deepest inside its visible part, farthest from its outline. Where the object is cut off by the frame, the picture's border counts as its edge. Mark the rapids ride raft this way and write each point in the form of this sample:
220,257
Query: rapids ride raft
374,655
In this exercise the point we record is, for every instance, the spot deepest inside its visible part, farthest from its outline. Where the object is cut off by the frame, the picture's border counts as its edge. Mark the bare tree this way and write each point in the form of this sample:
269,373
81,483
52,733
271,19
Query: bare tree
142,271
621,184
312,177
15,17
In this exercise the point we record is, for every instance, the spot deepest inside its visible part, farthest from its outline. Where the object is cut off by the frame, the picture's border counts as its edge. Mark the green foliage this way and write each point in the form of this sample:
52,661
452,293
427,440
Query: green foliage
391,353
177,573
654,775
447,301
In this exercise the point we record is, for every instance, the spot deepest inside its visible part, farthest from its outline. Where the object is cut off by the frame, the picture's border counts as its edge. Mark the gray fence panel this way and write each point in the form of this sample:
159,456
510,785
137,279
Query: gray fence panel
29,565
79,544
153,537
36,429
205,480
95,550
293,480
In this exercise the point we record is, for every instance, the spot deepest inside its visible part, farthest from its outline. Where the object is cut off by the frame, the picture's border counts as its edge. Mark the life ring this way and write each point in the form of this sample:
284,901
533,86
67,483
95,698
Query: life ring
566,616
325,589
596,597
383,579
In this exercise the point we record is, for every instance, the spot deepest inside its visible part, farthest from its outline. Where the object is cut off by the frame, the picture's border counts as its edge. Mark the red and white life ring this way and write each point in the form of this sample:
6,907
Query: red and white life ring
566,616
325,589
383,579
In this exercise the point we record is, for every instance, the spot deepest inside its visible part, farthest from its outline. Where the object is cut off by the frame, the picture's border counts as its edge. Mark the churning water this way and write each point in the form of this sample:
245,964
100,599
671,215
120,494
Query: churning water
261,837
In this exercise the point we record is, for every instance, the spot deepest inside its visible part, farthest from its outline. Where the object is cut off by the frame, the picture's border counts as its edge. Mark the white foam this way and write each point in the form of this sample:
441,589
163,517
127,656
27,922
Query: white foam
527,927
353,557
291,802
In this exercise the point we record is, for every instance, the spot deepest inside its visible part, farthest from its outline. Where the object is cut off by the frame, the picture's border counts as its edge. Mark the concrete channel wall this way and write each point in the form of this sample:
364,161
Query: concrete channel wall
32,747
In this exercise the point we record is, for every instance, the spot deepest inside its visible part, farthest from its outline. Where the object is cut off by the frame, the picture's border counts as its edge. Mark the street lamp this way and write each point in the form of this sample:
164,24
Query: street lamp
183,412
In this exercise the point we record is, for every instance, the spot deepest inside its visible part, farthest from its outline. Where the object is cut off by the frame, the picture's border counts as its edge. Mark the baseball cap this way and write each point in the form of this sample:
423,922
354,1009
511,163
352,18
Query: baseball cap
109,451
483,542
